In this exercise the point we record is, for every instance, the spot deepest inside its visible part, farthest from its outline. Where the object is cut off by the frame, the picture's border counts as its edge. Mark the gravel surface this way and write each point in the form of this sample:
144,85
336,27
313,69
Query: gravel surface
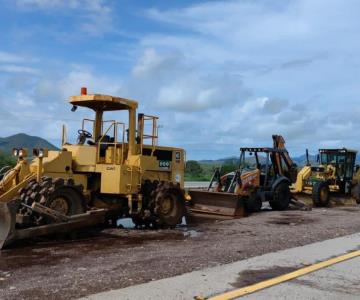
116,258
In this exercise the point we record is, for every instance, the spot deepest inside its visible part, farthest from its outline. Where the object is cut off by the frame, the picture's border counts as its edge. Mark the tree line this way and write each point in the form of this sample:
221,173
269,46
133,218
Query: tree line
196,171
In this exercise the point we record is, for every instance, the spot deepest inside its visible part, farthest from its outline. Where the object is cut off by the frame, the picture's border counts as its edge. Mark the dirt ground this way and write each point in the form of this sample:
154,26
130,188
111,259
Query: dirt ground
116,258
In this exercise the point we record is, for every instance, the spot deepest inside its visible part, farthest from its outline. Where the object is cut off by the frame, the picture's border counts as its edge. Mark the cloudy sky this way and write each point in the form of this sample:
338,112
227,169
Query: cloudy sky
220,74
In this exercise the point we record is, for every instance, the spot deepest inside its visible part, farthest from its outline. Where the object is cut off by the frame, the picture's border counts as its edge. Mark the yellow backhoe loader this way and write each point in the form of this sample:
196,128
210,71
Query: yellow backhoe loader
114,169
335,174
266,178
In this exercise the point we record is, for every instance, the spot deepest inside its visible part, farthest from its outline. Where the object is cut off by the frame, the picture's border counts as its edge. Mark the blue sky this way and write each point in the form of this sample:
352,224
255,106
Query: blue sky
220,74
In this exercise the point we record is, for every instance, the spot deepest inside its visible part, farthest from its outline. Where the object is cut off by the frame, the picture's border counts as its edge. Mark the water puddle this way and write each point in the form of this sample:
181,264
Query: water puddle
249,277
126,223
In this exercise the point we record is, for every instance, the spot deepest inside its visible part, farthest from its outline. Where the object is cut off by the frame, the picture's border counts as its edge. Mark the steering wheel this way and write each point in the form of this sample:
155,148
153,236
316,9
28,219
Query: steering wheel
85,133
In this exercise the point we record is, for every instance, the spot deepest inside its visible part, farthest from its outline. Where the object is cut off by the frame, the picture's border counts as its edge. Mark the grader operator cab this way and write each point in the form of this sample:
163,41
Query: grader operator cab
109,173
264,174
334,174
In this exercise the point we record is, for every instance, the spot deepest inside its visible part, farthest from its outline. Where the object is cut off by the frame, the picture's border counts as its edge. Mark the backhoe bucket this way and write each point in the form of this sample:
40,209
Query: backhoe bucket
7,221
218,205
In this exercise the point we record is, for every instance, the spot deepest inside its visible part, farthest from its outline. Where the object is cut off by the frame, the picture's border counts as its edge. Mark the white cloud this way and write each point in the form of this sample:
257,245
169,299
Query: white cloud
6,57
18,69
221,74
95,15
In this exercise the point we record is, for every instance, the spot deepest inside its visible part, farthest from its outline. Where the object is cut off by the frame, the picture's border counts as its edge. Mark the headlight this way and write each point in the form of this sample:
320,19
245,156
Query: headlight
16,152
40,152
22,152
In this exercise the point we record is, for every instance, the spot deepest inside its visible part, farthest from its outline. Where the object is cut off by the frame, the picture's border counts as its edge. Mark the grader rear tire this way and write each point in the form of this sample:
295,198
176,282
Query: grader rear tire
169,205
355,192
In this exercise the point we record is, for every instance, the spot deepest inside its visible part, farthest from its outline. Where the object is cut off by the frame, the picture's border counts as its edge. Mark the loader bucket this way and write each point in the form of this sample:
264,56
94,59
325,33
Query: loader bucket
216,205
7,221
9,233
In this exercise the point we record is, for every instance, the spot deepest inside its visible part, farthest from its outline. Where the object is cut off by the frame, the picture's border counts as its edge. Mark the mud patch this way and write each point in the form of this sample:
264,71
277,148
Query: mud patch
291,220
350,209
249,277
49,252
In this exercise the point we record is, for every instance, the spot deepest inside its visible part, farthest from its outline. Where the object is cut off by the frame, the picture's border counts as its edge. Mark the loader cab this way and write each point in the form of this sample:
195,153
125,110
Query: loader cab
256,163
343,161
115,141
101,140
268,163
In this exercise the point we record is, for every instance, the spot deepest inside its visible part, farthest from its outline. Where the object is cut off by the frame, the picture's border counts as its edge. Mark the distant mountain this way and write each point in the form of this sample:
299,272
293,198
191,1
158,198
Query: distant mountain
23,140
301,160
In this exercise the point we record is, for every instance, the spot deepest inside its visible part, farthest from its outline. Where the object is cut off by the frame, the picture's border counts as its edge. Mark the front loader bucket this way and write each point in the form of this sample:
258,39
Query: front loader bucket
7,221
9,233
217,205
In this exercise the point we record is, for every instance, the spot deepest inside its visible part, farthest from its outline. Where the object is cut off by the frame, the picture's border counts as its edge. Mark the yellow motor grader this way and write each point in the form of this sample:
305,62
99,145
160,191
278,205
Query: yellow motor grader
114,170
335,174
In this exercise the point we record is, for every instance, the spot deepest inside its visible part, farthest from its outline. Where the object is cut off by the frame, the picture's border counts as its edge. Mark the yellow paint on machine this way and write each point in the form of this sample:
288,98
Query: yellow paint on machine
280,279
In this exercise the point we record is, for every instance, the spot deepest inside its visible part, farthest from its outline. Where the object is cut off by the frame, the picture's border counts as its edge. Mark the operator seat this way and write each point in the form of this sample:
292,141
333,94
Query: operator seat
105,140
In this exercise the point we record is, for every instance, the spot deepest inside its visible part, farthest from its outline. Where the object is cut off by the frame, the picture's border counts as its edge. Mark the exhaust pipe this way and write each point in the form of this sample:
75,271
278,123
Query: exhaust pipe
7,221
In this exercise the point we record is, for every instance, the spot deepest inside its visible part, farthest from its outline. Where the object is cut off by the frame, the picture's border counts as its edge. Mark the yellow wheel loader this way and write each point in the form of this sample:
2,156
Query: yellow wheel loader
334,175
114,170
264,174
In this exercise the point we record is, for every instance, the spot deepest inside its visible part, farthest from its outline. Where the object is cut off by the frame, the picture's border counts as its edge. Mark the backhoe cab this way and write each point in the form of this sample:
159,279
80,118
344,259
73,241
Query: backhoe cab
335,173
115,169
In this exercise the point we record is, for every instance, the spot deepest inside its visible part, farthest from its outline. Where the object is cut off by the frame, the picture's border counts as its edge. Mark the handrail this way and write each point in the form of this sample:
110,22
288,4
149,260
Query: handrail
88,120
154,134
115,126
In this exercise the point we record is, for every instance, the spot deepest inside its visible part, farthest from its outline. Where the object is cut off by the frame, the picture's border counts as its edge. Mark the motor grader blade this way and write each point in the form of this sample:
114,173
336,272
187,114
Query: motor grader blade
216,205
9,233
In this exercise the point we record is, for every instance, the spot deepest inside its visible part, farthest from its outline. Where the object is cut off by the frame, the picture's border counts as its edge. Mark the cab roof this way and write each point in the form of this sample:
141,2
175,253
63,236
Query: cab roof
100,102
342,150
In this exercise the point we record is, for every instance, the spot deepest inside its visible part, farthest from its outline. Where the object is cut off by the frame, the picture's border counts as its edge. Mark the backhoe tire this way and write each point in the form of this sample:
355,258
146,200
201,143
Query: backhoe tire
321,194
281,196
58,194
253,203
169,205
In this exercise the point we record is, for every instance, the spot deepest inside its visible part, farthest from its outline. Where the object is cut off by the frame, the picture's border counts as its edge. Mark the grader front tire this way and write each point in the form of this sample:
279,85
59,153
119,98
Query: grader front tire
321,194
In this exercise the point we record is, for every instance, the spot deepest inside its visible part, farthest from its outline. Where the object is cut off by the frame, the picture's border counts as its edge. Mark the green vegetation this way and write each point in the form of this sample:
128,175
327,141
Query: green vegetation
198,171
6,160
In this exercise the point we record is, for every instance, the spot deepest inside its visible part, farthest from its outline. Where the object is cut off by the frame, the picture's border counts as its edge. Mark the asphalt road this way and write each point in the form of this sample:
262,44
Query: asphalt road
95,262
339,281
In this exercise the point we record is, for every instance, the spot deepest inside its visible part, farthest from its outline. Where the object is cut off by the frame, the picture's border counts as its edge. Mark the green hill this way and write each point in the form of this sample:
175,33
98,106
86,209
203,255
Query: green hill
23,140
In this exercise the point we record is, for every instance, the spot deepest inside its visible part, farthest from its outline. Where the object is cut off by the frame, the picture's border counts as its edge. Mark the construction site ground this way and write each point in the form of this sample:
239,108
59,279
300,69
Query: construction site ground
102,260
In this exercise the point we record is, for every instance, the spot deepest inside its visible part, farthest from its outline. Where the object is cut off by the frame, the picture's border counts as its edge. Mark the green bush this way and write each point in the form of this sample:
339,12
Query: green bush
6,160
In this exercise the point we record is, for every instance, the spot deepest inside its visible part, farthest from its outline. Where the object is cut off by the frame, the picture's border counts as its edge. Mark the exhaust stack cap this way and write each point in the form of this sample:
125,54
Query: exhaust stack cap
83,91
